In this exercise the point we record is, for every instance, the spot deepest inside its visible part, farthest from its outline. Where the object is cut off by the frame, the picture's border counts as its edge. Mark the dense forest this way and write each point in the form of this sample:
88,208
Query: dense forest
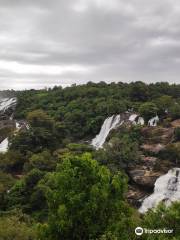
54,185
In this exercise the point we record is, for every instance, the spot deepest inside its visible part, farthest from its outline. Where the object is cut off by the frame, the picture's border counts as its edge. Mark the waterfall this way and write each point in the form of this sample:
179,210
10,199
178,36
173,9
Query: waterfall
109,124
133,117
112,123
167,189
153,121
6,103
4,145
141,121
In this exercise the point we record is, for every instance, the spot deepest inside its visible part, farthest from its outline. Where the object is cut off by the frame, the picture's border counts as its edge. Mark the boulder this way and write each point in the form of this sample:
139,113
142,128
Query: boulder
158,134
176,123
135,195
153,148
145,178
149,161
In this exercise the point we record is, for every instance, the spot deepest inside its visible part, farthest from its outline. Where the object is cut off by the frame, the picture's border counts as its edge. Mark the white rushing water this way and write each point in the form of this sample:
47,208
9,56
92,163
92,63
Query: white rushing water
4,145
166,189
133,117
153,121
109,124
112,123
18,126
6,103
141,121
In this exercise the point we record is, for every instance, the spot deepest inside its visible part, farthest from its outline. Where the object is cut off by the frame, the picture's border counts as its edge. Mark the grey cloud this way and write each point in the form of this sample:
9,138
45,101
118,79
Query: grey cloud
113,40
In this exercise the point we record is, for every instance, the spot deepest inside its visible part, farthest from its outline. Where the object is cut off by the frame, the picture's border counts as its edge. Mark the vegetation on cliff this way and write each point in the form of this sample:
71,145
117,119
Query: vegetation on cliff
54,185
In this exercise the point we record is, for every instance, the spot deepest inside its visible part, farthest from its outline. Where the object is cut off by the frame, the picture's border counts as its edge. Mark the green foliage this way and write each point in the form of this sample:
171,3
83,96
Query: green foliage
16,228
164,104
22,194
122,150
139,92
80,110
163,217
12,161
175,111
42,134
172,152
6,182
84,198
148,110
81,199
5,132
43,161
39,118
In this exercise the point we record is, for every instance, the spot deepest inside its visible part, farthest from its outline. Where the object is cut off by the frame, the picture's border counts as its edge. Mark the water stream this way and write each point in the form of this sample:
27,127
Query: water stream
166,189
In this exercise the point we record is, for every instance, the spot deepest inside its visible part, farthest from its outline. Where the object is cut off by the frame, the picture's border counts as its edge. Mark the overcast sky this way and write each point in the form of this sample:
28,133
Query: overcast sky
60,42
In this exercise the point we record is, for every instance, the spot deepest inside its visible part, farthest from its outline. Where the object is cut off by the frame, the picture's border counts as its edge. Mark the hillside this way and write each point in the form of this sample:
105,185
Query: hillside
89,161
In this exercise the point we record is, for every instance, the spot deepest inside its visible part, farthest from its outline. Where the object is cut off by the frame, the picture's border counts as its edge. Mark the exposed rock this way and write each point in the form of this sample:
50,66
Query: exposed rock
6,127
149,161
158,134
7,123
175,123
135,195
153,148
145,178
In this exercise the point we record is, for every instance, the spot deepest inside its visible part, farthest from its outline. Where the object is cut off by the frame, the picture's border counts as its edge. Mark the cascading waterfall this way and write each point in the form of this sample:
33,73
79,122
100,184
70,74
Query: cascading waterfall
133,117
166,189
153,121
112,123
4,145
115,121
5,104
109,124
141,121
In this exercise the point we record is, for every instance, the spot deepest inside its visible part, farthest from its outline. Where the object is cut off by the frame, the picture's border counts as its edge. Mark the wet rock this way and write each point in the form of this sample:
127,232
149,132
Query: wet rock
145,178
135,196
149,161
158,135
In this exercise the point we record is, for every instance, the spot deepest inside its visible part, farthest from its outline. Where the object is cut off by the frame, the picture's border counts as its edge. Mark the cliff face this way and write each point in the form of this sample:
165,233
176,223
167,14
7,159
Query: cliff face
154,163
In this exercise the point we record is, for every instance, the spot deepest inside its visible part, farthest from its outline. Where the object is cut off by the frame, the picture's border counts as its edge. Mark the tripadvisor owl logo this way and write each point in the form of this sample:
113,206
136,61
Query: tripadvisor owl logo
139,231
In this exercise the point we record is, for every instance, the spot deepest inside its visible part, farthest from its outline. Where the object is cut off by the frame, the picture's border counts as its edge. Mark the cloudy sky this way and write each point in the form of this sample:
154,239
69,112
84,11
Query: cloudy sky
60,42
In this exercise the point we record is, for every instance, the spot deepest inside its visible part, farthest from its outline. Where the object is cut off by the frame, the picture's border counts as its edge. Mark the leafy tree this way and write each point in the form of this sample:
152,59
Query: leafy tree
148,110
122,150
43,161
163,217
12,161
6,182
42,134
39,118
164,103
175,111
84,198
20,194
139,91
